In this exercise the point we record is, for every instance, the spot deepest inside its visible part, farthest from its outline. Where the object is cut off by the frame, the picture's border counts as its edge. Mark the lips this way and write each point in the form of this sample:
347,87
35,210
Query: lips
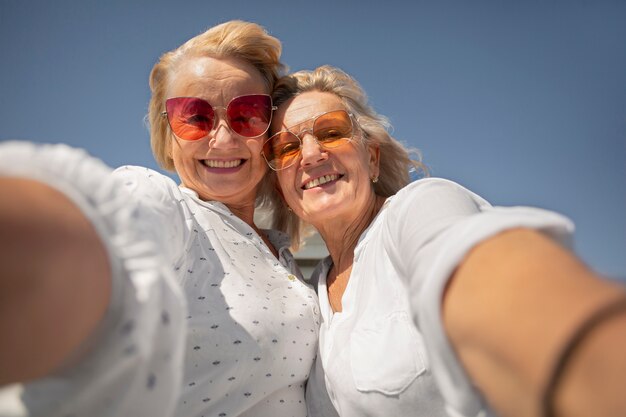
216,163
324,179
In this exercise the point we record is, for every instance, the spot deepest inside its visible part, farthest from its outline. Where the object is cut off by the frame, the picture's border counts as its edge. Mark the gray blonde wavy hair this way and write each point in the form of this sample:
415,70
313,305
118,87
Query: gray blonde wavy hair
237,39
397,162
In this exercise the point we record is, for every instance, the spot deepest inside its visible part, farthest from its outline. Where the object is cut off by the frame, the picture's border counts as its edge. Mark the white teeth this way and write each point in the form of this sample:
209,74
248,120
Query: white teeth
320,181
222,164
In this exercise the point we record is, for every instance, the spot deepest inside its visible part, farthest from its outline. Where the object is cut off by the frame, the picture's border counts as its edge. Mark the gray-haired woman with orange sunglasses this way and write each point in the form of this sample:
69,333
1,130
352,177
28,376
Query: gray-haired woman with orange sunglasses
125,294
433,302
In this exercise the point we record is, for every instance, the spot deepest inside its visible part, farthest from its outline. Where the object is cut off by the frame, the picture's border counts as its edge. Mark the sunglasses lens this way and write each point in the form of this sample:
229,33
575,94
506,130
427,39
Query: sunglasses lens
333,129
250,116
281,150
190,118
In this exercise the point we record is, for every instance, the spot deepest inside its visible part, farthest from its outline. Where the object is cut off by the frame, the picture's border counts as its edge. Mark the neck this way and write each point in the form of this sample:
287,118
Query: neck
246,213
341,236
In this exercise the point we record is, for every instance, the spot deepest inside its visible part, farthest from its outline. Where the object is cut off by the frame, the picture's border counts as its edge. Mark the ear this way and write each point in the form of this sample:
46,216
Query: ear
374,159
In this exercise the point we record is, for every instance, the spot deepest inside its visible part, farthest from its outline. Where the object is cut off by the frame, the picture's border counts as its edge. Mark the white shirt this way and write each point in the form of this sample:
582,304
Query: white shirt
244,345
373,359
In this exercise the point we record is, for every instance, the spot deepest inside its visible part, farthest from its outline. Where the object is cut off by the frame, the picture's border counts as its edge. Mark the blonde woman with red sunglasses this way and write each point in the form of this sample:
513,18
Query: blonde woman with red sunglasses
435,303
126,294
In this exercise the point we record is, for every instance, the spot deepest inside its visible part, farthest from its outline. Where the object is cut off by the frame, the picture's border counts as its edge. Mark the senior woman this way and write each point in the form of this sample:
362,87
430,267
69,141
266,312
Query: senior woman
518,304
97,267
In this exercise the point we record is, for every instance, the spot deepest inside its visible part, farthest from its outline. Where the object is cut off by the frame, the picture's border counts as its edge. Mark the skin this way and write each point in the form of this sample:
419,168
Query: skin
47,307
218,81
324,206
509,307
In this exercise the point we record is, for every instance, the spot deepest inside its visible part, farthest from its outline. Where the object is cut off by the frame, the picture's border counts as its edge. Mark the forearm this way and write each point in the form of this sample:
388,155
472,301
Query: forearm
593,379
55,279
510,307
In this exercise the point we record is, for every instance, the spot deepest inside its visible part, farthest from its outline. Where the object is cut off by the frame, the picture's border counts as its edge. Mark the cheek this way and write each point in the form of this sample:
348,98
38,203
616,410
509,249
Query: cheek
185,148
175,152
183,154
286,183
282,182
255,145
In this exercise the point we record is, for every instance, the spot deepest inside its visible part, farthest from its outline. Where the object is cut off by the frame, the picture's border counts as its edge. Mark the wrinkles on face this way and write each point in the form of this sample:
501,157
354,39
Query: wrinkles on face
337,204
223,166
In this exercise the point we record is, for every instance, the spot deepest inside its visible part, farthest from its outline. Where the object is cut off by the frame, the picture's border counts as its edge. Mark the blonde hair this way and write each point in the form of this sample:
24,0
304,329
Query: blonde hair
237,39
396,163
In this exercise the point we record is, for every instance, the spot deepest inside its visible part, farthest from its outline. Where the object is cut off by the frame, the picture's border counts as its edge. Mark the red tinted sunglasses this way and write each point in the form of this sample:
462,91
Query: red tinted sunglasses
192,118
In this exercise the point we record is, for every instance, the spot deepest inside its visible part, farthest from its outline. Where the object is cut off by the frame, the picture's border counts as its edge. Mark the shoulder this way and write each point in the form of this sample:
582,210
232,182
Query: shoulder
51,163
433,192
142,179
152,189
279,239
432,202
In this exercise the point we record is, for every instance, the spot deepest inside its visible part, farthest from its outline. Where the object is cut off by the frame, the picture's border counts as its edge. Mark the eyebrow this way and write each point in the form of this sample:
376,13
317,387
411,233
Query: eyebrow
289,128
292,127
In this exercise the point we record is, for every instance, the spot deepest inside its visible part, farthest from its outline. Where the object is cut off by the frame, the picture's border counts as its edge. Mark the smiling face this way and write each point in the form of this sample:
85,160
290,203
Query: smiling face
222,166
324,186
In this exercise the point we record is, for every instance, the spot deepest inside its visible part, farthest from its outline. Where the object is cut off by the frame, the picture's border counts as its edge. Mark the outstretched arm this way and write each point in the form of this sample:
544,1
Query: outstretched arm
510,309
54,279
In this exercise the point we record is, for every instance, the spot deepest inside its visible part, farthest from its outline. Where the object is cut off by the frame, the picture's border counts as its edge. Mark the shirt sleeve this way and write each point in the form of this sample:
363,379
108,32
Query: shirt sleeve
433,224
132,364
161,204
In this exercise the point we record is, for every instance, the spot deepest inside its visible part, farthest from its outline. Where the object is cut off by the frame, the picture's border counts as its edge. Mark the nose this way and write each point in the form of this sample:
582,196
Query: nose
312,152
222,136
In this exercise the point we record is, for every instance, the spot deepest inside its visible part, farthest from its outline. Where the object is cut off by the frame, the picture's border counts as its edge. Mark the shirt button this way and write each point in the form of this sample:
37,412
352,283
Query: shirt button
291,277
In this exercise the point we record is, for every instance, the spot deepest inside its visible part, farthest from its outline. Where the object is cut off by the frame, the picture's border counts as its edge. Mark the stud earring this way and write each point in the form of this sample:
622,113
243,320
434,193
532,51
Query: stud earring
375,179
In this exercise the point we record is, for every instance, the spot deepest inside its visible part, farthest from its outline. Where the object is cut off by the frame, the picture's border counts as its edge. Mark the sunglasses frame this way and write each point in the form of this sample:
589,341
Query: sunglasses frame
226,118
353,127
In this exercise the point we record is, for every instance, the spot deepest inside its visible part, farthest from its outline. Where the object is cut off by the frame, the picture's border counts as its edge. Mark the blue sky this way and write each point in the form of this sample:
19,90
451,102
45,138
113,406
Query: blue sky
522,102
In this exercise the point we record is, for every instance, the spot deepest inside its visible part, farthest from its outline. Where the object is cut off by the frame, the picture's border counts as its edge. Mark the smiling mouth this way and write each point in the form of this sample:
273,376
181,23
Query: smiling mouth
213,163
320,181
